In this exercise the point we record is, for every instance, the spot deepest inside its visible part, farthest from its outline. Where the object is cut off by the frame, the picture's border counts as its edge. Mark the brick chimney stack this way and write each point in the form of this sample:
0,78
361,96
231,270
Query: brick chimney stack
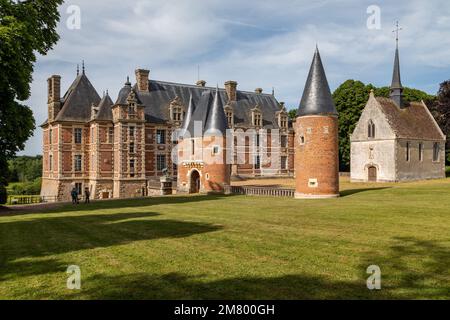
231,88
142,77
54,88
201,83
54,96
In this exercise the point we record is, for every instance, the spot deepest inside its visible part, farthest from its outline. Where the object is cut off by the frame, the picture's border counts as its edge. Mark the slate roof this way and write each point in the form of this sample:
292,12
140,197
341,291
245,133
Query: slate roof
216,122
187,118
396,78
412,122
161,94
105,109
316,99
78,100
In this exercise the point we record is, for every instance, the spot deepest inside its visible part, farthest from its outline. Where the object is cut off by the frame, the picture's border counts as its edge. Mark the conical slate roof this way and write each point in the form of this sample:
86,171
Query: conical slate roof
396,79
189,112
317,99
217,121
78,100
199,117
104,109
396,86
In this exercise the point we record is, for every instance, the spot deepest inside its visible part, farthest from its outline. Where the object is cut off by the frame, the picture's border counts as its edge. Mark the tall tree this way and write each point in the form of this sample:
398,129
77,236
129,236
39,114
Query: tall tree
27,28
440,108
350,99
292,114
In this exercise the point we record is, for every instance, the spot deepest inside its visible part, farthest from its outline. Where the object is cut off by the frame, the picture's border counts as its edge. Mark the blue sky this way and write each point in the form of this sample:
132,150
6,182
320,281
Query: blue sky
257,43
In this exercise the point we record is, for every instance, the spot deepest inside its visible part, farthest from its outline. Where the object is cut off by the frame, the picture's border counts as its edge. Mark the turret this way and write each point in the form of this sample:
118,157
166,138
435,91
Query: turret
316,145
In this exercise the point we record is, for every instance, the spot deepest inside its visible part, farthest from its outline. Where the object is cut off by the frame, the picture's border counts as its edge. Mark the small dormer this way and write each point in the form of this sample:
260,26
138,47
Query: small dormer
229,113
94,111
282,117
177,111
256,116
132,103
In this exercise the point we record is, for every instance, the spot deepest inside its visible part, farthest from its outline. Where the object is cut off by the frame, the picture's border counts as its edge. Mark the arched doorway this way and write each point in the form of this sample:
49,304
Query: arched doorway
372,174
195,182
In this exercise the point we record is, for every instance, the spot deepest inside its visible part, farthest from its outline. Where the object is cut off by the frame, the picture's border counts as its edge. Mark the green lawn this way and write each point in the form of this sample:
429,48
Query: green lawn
235,247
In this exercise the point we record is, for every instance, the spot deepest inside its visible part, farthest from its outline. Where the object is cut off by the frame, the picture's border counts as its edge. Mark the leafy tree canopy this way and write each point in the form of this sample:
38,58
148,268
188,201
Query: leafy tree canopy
440,108
27,28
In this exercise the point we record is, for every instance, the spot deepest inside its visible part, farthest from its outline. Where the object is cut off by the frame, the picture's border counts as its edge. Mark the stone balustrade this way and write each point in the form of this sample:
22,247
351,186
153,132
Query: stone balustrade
259,191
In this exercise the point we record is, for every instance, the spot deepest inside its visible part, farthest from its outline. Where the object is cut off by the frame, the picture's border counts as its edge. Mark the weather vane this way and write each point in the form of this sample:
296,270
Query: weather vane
397,30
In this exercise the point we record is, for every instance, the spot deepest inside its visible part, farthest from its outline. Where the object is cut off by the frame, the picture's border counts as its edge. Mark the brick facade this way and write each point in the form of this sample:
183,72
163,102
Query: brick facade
317,157
113,162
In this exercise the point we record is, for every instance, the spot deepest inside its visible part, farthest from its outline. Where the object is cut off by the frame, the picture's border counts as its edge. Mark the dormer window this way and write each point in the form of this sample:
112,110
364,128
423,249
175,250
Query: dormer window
176,110
283,121
230,115
256,117
371,130
131,109
177,113
282,117
230,118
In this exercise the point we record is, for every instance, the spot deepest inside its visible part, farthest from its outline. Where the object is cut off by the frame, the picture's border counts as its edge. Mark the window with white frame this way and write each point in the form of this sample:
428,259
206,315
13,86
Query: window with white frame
257,119
78,162
161,136
177,113
111,135
78,135
283,122
161,162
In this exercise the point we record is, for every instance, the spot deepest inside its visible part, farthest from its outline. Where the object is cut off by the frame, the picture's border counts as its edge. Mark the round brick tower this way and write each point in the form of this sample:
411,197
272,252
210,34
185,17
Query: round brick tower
316,142
216,170
202,150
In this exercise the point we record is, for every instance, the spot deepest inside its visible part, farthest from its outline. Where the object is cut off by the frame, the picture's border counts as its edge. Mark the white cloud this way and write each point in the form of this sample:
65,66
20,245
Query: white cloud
257,43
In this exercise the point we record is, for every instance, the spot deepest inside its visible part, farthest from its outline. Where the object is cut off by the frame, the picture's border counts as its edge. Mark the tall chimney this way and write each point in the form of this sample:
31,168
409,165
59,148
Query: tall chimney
54,96
54,88
230,87
142,79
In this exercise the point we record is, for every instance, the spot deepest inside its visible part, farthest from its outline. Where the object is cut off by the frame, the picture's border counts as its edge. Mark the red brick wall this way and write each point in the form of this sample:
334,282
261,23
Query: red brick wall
318,157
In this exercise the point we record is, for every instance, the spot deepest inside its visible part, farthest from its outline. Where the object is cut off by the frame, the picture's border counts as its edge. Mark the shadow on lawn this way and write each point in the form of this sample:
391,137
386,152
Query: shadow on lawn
49,236
427,280
110,204
346,193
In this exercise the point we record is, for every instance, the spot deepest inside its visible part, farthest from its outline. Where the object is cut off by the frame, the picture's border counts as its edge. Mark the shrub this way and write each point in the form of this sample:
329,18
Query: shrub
26,188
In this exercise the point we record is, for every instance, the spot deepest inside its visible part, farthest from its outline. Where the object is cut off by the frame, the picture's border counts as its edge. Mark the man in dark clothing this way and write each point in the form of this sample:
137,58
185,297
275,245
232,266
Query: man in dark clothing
87,194
74,194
